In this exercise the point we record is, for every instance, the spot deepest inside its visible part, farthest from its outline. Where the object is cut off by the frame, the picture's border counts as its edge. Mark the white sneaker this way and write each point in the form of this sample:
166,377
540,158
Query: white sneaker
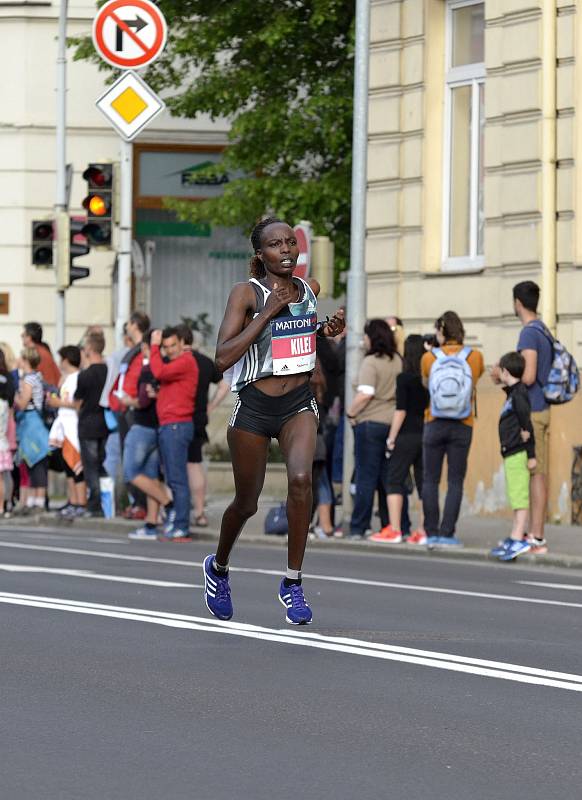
320,533
144,533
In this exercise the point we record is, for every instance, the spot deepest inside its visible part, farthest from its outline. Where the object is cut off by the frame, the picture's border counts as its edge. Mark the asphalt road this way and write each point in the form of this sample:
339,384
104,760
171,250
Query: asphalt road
419,678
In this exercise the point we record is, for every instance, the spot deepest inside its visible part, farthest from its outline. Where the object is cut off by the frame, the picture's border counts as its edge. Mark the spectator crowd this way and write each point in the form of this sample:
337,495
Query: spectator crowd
141,413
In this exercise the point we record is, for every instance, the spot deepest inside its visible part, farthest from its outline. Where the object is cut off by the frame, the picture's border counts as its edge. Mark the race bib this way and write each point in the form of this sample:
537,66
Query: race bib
293,344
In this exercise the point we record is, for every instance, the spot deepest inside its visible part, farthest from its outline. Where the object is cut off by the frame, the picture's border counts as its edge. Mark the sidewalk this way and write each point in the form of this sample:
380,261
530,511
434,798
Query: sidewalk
478,534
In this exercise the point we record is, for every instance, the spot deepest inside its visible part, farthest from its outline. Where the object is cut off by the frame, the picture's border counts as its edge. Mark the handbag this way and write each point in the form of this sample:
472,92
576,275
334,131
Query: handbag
276,521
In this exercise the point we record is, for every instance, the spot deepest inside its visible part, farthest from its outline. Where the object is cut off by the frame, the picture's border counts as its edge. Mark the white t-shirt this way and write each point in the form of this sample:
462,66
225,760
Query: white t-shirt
67,392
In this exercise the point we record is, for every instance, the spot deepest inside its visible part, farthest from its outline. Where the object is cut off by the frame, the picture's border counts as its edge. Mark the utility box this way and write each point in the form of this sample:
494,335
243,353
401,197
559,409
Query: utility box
322,263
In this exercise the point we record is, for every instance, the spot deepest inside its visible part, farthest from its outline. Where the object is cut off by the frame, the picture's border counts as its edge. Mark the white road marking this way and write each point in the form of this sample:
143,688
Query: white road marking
67,538
83,573
436,660
277,573
572,587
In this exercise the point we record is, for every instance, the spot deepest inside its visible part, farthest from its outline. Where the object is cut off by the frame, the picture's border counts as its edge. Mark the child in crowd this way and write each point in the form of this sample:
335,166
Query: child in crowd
32,433
64,432
405,444
518,450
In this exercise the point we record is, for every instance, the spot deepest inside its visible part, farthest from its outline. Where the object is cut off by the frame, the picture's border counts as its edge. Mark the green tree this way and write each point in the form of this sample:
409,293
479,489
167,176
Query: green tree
281,71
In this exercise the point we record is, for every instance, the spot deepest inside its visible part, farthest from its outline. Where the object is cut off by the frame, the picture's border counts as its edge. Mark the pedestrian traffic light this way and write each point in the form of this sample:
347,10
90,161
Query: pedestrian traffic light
42,243
71,233
99,204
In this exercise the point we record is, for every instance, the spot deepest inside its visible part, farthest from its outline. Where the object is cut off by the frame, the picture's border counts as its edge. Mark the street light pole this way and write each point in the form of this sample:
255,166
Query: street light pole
61,165
356,284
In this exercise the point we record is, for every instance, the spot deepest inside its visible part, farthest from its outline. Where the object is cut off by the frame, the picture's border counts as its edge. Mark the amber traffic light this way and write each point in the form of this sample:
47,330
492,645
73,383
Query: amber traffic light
99,204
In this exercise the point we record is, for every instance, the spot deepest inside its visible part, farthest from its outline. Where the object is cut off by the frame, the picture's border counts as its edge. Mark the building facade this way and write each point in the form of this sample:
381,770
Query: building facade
181,270
473,186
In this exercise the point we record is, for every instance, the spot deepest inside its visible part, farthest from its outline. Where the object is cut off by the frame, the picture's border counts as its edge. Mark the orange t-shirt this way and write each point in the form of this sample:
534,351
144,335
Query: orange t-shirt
474,360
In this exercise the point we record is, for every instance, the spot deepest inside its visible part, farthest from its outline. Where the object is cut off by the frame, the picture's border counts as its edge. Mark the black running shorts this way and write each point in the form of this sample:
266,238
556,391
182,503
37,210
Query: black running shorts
257,412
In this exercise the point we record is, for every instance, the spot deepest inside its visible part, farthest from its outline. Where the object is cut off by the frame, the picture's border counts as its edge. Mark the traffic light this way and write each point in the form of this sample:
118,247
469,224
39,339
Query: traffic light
72,234
99,204
79,246
42,243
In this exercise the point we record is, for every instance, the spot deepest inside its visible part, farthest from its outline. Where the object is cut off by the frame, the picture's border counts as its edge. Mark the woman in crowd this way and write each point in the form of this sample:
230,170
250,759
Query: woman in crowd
31,431
405,443
451,372
371,415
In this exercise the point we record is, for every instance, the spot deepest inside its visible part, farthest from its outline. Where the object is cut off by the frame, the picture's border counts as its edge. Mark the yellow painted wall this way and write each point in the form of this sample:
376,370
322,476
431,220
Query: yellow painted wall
405,198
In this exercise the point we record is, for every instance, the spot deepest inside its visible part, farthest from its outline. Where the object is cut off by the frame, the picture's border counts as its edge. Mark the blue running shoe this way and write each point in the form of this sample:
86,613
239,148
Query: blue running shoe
292,597
501,547
443,541
216,591
515,549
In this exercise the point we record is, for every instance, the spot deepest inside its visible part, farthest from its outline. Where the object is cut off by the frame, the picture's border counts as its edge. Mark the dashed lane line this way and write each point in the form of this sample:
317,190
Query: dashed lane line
426,658
570,587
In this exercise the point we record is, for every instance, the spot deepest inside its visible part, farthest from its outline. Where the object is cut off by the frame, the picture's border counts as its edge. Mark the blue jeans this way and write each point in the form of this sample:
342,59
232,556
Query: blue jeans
174,440
140,453
371,463
450,438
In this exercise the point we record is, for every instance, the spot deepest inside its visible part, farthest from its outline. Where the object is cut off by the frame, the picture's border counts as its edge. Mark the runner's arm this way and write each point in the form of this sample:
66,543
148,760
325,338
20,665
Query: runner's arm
234,339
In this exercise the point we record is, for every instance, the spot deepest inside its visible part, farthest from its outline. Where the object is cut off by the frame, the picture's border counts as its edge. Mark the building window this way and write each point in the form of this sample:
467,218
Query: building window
464,135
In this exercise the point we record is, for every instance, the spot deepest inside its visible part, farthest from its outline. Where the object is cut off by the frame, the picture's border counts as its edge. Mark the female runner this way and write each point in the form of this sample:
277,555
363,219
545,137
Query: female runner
267,344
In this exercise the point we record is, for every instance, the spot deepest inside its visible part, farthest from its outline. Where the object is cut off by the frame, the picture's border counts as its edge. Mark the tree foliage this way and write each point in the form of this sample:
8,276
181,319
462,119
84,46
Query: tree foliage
281,72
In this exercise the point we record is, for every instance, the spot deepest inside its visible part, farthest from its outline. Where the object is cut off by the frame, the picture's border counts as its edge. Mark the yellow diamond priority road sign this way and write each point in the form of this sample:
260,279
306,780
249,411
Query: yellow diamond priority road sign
129,105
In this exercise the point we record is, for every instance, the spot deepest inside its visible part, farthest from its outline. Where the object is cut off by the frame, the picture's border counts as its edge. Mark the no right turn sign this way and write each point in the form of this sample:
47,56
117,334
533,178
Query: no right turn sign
129,34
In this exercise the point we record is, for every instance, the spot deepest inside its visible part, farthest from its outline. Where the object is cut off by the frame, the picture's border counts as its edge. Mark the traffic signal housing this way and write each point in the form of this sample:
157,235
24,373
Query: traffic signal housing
73,235
42,242
99,204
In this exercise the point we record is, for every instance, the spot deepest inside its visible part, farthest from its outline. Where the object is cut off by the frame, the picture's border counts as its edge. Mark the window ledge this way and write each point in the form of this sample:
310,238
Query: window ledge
462,266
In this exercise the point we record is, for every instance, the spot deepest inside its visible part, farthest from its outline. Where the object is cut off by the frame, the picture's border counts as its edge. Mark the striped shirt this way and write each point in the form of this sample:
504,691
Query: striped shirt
257,362
34,379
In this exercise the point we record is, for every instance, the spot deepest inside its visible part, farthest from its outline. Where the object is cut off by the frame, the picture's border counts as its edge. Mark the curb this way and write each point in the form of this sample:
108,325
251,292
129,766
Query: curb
122,527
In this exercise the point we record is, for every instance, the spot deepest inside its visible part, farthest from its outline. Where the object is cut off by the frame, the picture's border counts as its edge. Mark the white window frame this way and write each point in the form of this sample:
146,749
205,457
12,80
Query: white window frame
467,75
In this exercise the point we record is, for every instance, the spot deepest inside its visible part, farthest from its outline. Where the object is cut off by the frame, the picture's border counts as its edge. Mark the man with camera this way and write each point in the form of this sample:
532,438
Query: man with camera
141,457
177,376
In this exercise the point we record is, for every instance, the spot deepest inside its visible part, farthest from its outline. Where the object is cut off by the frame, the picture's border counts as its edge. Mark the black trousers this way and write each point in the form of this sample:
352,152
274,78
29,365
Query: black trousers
93,456
450,438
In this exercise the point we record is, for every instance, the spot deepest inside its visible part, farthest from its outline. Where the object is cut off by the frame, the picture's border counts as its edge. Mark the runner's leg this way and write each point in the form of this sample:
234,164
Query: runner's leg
248,453
297,440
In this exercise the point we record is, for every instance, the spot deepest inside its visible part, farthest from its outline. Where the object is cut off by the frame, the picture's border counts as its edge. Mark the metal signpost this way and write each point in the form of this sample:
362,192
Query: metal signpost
356,289
128,34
